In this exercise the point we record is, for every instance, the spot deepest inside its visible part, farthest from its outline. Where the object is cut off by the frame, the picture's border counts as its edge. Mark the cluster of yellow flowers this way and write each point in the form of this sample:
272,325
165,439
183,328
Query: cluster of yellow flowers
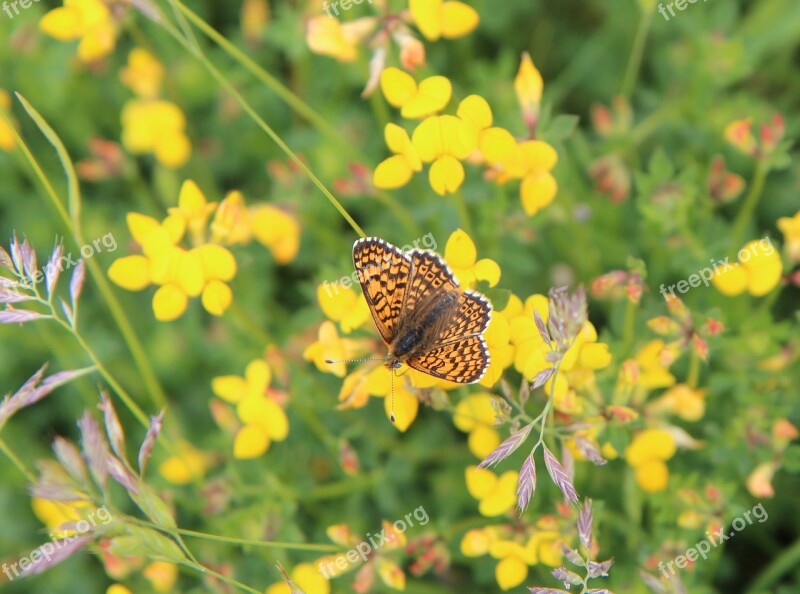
151,124
205,269
446,141
89,21
516,549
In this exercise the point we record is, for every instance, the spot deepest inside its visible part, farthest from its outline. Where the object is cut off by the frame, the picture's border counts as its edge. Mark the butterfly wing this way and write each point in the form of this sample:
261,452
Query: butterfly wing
463,361
472,318
431,275
384,272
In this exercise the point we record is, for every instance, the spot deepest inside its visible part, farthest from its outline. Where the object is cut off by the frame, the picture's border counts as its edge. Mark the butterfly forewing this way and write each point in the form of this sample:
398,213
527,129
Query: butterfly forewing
430,276
384,272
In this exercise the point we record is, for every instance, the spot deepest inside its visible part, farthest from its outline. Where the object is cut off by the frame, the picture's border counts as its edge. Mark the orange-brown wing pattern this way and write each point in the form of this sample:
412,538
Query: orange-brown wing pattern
383,271
430,275
472,318
461,361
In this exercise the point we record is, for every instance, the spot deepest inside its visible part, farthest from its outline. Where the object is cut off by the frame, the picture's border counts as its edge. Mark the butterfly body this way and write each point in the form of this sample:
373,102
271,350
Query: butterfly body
423,317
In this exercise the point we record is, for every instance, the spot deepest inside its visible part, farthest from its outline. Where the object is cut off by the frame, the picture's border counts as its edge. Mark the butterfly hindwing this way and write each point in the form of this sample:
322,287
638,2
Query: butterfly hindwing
463,361
472,318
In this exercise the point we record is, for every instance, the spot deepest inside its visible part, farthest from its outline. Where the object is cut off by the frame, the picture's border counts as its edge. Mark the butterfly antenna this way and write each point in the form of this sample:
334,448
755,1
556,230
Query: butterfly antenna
391,383
331,361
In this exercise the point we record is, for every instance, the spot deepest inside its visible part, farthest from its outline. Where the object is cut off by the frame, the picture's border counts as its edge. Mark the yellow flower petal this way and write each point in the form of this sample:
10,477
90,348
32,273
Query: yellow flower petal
446,175
528,85
63,24
398,87
731,281
475,111
483,441
652,476
487,270
189,273
406,407
458,19
392,173
650,444
230,388
251,442
537,191
258,376
497,145
475,543
169,303
427,17
217,298
432,96
130,272
510,573
217,262
141,226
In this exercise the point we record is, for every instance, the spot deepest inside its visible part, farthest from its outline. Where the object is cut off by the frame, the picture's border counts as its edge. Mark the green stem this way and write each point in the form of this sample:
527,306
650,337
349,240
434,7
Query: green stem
293,546
225,84
629,326
784,563
750,204
694,369
17,462
637,51
463,212
73,225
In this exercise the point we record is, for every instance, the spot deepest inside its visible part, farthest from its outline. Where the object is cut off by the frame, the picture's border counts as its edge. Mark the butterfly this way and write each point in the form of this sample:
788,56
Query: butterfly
423,317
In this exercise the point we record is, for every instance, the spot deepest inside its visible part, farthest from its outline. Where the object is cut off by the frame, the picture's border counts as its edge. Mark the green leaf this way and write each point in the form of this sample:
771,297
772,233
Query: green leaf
561,128
73,189
145,542
154,507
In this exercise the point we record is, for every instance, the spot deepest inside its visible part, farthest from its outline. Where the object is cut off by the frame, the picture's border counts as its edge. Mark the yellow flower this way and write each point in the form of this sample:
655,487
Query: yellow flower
496,144
646,454
475,542
158,127
476,415
194,209
462,257
264,421
143,75
739,134
343,305
415,101
443,141
528,85
515,557
87,20
396,171
532,162
757,272
277,230
7,138
501,351
231,224
682,400
440,18
161,575
118,589
329,37
789,226
308,578
186,465
57,513
497,495
330,347
180,274
654,360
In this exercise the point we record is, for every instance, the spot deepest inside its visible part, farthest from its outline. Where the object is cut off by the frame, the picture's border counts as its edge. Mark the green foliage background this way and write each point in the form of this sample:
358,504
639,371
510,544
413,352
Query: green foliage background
714,62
